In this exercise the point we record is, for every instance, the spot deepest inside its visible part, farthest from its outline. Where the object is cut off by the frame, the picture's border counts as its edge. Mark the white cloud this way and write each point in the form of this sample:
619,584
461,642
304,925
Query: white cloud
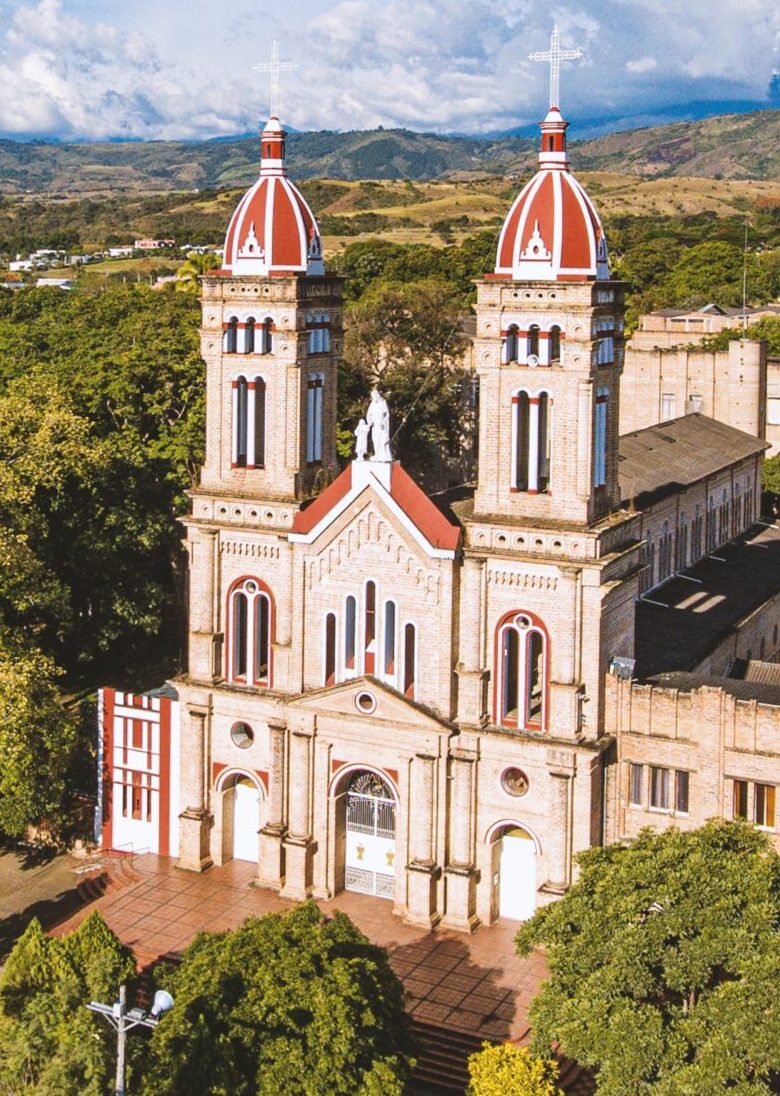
183,68
641,65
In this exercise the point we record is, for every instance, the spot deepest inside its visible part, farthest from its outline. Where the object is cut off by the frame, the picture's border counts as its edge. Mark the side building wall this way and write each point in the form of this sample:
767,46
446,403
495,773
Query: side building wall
727,749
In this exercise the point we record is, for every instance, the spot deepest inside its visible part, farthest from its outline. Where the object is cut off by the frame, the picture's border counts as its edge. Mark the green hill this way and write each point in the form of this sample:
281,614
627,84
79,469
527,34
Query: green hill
738,146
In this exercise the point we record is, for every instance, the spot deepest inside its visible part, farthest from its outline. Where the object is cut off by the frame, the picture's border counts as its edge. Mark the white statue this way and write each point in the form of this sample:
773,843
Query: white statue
378,418
361,440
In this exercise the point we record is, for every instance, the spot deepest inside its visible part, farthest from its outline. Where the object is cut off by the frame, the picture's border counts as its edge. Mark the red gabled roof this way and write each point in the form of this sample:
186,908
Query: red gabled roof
434,526
305,520
424,514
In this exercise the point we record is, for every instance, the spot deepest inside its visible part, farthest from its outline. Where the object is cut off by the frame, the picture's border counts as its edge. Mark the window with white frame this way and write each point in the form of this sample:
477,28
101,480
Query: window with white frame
531,442
669,789
522,679
371,642
764,806
230,335
390,641
773,411
410,661
314,396
318,332
555,345
330,648
696,402
249,335
636,774
511,344
668,406
266,336
249,422
250,622
600,440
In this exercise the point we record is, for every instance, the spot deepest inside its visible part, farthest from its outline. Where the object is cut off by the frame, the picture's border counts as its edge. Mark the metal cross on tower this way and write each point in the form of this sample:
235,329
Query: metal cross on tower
555,55
274,66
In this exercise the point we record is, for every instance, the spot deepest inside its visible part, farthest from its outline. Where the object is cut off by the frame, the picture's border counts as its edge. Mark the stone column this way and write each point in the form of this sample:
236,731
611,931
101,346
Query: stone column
195,820
298,842
565,719
270,869
460,871
561,768
472,676
422,870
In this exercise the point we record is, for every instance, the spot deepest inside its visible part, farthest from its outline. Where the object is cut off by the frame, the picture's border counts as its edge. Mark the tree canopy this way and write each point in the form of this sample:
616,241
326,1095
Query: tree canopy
664,964
507,1070
50,1043
286,1005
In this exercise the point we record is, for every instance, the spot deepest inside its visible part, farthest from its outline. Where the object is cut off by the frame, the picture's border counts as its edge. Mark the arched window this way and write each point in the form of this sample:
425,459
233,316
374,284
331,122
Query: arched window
512,343
555,344
249,336
240,421
350,623
532,442
533,340
370,628
266,336
259,423
231,335
410,661
250,633
330,649
522,423
314,395
389,639
521,691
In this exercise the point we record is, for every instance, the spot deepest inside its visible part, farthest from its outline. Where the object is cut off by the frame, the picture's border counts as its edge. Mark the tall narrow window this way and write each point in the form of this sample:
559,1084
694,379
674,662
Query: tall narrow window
522,426
668,406
600,446
659,788
240,421
533,340
330,649
520,694
555,345
249,336
231,335
266,336
635,775
370,628
389,639
410,660
543,443
314,394
262,639
350,621
259,424
512,344
240,638
681,785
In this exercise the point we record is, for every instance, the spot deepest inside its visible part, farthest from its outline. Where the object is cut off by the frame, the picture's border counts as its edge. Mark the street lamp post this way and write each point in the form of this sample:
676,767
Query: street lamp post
123,1021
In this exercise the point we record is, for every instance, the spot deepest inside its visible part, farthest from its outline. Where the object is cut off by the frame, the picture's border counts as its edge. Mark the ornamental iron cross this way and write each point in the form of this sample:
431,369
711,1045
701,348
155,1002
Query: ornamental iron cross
555,55
274,66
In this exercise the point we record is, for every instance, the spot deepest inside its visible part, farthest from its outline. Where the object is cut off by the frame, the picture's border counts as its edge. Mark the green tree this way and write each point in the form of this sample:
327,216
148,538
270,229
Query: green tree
767,328
50,1044
770,474
194,267
507,1070
664,960
293,1005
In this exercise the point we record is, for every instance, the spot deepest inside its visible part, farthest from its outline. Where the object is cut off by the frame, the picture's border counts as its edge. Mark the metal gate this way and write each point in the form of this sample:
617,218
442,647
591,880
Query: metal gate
370,825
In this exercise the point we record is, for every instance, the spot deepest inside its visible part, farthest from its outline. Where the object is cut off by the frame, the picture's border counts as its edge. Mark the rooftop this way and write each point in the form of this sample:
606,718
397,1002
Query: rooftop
660,460
683,620
742,690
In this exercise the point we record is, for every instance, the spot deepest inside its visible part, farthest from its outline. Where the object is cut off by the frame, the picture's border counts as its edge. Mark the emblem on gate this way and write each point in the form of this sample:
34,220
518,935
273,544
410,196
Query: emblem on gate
360,850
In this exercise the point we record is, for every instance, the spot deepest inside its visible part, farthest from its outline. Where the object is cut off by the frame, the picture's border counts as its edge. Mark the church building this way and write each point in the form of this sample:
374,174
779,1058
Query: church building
404,696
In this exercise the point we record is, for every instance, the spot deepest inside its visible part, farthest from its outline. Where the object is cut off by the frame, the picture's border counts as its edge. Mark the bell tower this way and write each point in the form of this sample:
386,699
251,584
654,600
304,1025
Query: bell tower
271,336
549,354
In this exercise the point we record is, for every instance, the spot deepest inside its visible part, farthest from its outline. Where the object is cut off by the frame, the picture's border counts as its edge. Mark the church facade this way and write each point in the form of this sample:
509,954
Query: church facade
387,693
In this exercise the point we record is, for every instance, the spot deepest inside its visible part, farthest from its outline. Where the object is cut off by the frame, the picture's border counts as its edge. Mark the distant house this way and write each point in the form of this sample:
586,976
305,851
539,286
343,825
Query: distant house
152,245
56,283
123,252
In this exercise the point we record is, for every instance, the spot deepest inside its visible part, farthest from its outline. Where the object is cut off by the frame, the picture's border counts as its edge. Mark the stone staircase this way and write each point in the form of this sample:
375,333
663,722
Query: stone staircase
107,874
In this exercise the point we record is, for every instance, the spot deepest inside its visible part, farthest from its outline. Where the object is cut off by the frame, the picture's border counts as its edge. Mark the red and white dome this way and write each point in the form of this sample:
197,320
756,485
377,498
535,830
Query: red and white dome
552,232
273,231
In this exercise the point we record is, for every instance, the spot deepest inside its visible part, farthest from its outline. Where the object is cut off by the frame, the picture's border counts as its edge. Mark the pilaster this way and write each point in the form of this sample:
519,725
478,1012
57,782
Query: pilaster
195,821
270,866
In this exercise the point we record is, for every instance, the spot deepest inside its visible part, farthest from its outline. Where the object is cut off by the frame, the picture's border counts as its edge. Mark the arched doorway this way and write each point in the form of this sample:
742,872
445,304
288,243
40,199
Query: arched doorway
516,874
370,836
240,818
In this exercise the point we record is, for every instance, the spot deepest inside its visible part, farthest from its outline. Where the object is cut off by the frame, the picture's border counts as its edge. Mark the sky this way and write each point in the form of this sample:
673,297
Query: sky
170,69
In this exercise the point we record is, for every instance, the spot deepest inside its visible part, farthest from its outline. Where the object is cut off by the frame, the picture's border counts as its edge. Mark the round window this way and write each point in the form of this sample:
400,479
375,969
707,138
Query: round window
365,702
251,587
514,781
242,735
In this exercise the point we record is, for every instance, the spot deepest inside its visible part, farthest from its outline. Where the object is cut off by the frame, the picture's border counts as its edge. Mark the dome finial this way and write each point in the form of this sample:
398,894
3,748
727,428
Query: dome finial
555,55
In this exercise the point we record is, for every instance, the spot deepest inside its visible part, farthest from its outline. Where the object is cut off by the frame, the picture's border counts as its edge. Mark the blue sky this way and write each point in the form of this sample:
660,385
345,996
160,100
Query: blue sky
96,69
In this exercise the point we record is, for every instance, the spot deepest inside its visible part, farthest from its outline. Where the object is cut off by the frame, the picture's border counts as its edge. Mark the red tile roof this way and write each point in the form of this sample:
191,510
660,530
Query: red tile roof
305,520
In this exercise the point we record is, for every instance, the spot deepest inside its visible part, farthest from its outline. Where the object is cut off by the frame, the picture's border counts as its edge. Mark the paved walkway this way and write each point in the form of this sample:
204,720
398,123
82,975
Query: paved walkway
35,883
473,983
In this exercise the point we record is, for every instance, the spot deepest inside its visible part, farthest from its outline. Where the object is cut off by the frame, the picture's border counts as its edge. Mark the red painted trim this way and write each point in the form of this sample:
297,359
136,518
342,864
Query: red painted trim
305,520
107,776
532,491
263,774
393,774
264,588
164,802
497,682
431,522
216,768
336,765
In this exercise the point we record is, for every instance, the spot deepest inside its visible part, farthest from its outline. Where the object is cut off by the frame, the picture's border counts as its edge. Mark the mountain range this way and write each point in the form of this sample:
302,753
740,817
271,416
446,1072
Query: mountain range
731,146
